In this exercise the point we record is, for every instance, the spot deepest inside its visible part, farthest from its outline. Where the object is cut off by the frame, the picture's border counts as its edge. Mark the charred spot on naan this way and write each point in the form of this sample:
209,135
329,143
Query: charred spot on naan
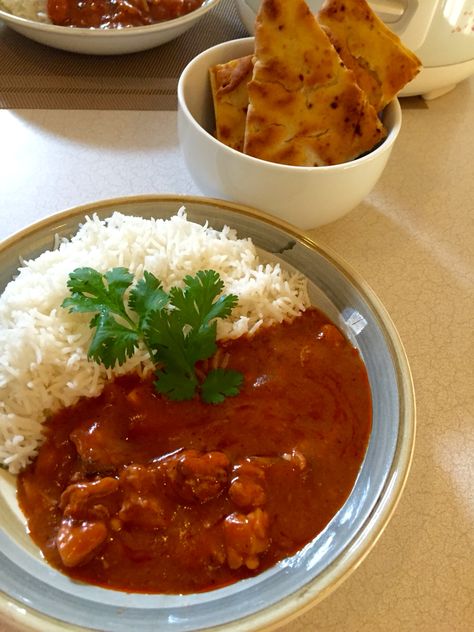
380,61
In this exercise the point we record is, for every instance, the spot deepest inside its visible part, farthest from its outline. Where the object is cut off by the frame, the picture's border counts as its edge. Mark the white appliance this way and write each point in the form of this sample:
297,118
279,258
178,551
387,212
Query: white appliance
439,32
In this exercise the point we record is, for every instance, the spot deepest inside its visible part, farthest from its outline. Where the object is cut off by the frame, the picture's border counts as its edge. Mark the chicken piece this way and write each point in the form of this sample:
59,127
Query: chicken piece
296,458
87,500
142,505
198,476
247,487
100,445
246,537
78,542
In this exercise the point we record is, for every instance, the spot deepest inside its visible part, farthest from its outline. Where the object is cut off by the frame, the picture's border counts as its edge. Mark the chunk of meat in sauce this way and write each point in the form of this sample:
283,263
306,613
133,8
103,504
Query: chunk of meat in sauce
247,487
197,476
78,543
297,459
142,505
86,507
100,445
87,500
246,537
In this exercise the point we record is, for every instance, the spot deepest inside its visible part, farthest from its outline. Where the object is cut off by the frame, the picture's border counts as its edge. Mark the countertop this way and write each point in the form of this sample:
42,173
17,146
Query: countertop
413,241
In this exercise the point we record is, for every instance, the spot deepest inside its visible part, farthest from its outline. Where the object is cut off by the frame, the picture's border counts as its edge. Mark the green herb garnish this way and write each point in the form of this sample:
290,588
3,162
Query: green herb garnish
178,328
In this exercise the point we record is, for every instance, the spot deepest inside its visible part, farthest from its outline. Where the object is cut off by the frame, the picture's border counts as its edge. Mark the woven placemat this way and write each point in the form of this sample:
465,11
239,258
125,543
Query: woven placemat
39,77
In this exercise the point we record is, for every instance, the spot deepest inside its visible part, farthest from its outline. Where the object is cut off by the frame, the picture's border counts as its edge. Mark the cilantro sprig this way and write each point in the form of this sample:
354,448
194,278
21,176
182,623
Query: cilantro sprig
178,328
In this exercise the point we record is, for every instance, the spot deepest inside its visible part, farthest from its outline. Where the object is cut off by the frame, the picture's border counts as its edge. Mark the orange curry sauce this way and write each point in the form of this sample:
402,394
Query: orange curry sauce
117,13
135,492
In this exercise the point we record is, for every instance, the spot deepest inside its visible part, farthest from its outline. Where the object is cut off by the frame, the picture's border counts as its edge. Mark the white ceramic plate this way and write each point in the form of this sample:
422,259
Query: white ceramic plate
37,597
107,41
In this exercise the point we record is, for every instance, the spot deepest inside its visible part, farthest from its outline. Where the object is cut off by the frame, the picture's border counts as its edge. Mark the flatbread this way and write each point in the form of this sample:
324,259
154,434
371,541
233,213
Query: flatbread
305,106
230,96
381,63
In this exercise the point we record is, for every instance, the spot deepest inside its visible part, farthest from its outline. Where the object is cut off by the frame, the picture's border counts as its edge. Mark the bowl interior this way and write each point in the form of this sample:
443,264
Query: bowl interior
194,92
281,592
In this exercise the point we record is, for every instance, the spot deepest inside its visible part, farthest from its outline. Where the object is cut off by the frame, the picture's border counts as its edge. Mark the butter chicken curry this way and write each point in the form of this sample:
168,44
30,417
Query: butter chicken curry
117,13
136,492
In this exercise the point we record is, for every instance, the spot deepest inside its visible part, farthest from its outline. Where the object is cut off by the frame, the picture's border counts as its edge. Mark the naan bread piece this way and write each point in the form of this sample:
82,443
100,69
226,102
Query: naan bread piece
305,107
230,96
381,63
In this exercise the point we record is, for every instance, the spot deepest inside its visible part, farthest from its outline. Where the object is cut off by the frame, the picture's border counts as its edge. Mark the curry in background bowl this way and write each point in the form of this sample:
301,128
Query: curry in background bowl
258,599
118,13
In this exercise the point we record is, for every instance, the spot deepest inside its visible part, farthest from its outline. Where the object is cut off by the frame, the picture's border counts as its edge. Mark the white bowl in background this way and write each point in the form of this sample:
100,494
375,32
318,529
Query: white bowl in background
306,197
106,41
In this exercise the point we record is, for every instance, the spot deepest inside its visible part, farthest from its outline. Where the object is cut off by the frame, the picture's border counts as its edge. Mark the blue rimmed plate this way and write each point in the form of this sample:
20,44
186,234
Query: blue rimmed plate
37,597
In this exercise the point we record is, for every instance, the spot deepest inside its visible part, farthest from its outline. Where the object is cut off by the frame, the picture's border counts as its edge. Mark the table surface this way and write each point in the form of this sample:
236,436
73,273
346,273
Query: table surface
412,239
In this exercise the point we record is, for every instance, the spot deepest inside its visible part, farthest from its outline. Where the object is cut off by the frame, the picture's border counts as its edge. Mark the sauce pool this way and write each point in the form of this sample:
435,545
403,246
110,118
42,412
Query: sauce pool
135,492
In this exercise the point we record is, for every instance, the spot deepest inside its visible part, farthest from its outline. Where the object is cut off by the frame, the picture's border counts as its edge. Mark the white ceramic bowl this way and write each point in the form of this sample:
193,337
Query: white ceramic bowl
304,196
34,596
106,41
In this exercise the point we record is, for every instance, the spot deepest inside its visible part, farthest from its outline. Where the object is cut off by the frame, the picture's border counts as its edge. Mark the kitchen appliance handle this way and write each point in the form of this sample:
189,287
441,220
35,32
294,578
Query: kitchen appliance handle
389,10
409,19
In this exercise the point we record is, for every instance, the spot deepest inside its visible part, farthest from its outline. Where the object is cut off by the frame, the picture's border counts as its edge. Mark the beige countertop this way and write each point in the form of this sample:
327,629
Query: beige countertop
412,239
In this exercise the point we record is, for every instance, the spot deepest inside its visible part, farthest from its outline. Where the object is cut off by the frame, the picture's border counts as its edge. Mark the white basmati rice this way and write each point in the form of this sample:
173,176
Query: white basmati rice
35,10
43,348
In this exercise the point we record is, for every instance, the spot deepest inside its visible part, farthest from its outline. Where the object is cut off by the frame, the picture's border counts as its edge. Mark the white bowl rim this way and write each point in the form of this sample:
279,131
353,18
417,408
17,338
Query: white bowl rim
125,32
393,107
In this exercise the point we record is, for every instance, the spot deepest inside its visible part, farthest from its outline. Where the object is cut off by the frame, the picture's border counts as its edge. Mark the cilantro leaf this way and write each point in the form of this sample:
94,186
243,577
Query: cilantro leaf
164,334
92,291
196,301
185,328
175,385
200,343
112,342
219,384
177,328
147,296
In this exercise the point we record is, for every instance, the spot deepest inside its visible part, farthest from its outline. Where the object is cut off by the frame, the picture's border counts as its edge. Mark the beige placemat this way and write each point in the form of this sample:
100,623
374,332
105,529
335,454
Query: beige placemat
36,76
